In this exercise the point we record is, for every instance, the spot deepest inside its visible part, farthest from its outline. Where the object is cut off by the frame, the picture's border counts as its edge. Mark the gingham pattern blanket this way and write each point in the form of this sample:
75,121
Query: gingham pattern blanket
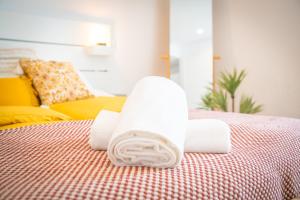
55,161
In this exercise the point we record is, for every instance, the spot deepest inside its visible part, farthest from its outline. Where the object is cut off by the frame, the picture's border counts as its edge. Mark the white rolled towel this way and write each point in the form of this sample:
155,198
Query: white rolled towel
102,129
202,135
152,125
207,136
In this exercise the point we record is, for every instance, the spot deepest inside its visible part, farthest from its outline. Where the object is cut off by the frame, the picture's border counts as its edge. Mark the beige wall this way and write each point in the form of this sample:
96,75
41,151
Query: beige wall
263,37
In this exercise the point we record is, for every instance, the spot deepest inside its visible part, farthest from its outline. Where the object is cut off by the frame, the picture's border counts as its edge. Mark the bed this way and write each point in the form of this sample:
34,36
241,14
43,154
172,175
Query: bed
54,161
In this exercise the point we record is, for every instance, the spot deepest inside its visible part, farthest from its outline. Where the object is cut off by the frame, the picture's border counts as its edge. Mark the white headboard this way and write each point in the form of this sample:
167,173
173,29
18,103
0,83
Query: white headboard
30,28
61,39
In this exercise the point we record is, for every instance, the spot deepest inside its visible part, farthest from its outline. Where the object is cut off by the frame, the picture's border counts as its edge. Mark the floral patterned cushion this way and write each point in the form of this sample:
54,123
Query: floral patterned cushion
56,82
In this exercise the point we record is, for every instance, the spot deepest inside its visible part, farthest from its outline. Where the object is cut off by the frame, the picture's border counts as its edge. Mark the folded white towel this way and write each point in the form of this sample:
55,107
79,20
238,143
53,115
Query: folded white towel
102,129
207,136
152,125
202,135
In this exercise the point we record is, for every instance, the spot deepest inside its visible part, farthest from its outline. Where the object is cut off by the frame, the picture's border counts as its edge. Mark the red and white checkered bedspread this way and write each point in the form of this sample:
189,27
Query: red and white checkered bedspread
55,162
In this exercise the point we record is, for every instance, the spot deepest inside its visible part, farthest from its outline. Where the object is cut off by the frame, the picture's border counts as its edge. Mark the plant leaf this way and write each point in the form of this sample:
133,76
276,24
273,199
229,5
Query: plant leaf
207,101
247,105
214,99
231,81
220,100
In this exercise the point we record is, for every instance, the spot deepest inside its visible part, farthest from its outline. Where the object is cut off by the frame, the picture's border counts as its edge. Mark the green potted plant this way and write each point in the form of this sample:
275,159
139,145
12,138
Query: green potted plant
228,83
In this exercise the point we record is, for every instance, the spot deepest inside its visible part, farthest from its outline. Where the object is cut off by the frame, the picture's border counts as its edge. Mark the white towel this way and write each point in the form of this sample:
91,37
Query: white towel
207,136
152,125
202,135
102,129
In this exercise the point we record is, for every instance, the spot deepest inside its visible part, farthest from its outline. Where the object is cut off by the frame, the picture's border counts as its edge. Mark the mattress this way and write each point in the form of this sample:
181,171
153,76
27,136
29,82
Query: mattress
54,161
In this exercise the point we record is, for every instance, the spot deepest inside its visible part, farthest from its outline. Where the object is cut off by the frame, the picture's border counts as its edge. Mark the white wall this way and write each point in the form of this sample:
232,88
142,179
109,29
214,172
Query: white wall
140,32
262,37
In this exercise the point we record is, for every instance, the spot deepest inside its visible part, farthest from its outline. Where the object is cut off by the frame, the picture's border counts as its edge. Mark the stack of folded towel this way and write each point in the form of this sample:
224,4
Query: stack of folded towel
153,128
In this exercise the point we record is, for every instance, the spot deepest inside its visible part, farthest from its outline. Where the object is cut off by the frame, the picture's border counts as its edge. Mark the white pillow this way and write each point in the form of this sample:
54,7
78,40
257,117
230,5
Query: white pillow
9,59
98,93
95,92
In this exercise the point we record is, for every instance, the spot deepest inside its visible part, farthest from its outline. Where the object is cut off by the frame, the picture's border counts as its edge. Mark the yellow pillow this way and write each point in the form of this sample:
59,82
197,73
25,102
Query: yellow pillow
24,114
89,108
56,82
17,91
